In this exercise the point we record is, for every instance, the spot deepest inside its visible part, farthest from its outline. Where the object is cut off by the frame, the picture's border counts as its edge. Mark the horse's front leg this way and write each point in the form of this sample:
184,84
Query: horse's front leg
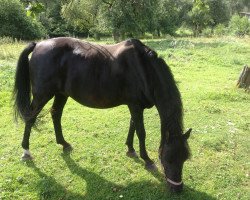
56,113
130,140
137,116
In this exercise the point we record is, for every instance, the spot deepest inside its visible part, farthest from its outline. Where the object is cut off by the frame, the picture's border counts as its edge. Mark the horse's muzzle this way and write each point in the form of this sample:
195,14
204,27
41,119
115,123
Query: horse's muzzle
175,186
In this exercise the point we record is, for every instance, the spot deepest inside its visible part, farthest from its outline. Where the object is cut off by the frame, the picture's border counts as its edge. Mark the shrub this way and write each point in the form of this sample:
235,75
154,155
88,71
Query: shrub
15,23
207,32
183,31
239,26
220,30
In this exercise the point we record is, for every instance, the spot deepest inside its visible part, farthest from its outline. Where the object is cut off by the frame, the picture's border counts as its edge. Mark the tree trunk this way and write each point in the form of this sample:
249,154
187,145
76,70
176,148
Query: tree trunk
97,36
116,36
158,32
244,79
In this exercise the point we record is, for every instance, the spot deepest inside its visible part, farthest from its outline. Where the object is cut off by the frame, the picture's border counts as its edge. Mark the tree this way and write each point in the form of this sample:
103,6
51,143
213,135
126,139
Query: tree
119,17
81,14
199,16
55,24
236,6
34,9
49,14
16,24
219,12
130,18
239,26
168,18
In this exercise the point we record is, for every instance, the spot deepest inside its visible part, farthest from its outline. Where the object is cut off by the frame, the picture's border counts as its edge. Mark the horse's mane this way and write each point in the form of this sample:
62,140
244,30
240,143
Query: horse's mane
172,95
170,91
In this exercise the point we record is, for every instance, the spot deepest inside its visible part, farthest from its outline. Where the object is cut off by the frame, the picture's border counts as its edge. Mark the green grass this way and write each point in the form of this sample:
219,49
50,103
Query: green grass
206,71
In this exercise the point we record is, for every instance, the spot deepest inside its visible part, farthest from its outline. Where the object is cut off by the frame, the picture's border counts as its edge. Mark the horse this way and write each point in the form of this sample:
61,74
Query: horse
104,76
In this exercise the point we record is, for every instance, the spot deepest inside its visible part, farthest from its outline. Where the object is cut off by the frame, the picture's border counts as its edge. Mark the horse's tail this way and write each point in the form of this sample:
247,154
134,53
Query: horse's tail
22,91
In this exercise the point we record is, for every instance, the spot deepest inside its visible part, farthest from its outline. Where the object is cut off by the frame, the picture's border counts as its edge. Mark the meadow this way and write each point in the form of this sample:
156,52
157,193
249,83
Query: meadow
206,71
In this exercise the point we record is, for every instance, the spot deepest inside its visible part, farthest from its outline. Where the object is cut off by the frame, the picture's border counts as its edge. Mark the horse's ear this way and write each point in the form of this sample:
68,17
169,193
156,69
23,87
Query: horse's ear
187,134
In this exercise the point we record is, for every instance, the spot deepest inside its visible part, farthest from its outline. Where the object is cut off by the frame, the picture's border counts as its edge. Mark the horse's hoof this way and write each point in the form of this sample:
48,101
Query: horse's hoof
132,154
67,149
26,157
151,167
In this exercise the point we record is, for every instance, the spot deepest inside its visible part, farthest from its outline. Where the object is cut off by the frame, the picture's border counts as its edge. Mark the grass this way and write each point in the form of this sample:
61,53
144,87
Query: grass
206,71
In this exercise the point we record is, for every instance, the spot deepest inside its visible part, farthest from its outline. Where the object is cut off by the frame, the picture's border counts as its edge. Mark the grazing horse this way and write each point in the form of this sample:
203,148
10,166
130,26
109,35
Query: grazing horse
104,76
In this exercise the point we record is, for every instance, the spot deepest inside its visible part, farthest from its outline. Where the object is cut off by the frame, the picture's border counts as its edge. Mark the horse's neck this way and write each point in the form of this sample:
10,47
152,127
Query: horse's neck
167,98
170,111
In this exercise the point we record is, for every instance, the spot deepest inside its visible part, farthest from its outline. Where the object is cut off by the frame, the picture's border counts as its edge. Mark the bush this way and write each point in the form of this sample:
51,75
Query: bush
183,31
207,32
220,30
15,23
239,26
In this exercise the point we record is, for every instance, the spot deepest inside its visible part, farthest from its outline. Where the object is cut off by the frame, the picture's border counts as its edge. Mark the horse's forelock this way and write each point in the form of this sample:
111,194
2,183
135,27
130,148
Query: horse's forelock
177,149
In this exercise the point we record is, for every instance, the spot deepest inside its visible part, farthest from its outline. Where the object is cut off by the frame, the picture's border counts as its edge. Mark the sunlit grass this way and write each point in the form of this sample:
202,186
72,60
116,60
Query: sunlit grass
206,70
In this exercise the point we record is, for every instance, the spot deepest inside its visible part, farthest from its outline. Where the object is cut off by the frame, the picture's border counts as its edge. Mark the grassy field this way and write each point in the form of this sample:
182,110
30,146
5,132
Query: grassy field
206,71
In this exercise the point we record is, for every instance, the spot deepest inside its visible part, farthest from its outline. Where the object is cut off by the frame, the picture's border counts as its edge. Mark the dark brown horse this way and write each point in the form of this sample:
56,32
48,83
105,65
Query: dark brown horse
104,76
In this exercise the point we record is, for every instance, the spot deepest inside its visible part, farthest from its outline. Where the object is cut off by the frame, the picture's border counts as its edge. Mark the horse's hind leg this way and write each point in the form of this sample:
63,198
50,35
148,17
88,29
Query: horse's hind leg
56,113
137,116
130,139
36,106
25,143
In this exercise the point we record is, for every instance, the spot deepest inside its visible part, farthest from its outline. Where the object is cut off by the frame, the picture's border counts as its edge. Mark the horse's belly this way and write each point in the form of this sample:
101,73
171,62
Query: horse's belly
96,90
101,102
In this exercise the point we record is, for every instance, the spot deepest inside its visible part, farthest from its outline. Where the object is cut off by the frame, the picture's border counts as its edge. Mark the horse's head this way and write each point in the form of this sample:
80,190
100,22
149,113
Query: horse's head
173,154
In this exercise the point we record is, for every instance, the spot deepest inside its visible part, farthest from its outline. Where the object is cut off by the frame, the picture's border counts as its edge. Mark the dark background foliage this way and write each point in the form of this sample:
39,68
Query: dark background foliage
32,19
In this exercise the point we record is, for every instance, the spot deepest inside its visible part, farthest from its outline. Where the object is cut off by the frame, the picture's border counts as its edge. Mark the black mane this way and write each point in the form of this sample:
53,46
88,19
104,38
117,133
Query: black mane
172,96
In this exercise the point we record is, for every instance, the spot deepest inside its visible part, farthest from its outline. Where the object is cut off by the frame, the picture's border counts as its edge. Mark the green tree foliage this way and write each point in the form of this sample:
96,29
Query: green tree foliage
16,24
81,14
53,21
34,9
120,18
199,16
239,26
168,16
219,12
131,17
49,14
236,6
220,30
126,18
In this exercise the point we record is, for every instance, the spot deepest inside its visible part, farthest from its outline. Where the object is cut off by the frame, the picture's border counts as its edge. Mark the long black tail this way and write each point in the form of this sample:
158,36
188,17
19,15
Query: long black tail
21,92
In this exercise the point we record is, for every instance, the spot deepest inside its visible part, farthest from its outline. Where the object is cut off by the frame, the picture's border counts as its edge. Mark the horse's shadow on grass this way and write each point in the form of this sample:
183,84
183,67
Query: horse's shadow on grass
99,188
